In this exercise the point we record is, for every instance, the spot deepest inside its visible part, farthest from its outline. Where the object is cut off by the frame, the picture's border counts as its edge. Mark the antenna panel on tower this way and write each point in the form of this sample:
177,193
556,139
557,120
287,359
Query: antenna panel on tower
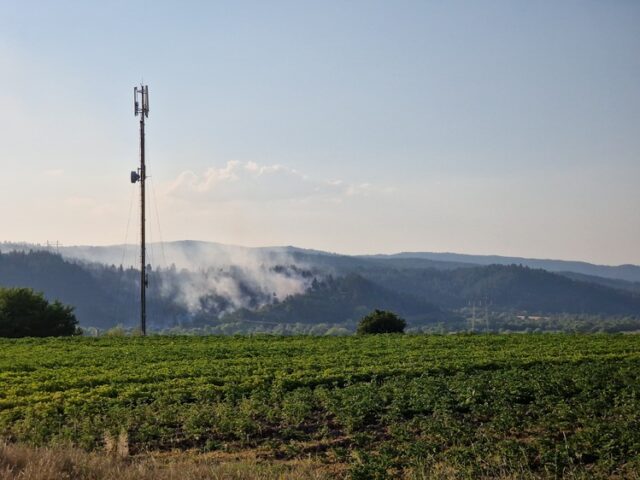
146,100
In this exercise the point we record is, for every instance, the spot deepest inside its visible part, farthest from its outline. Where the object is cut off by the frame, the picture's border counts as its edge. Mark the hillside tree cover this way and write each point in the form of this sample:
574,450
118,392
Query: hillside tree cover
344,300
337,296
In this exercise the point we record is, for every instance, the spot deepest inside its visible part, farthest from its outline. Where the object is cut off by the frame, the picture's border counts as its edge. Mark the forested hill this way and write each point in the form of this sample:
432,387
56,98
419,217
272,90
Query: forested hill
345,300
59,279
510,287
628,286
102,295
107,295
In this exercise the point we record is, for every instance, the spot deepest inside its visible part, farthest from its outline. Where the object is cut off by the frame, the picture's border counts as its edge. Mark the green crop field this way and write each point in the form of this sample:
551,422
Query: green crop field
383,406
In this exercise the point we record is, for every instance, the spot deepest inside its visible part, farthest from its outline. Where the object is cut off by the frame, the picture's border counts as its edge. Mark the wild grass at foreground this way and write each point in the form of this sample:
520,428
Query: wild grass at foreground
20,462
459,406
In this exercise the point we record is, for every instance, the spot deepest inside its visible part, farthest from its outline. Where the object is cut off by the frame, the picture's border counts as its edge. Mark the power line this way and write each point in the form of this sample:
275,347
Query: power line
155,204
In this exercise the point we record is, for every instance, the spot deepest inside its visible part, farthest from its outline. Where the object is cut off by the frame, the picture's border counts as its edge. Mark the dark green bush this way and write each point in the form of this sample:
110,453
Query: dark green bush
25,313
381,321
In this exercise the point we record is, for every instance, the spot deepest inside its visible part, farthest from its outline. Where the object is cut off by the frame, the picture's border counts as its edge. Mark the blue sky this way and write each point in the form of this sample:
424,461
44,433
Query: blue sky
506,127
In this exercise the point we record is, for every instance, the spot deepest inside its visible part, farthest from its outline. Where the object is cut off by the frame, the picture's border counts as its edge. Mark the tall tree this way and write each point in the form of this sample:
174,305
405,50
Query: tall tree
25,313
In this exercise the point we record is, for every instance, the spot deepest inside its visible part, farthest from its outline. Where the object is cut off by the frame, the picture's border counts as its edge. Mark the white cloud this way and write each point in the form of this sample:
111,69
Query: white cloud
251,182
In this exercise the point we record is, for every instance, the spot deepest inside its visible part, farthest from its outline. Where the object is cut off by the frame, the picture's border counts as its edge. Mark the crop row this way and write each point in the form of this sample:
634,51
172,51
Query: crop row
485,405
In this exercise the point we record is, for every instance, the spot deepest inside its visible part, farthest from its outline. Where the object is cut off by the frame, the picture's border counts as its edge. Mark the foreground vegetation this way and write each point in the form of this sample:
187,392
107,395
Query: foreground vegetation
539,406
19,462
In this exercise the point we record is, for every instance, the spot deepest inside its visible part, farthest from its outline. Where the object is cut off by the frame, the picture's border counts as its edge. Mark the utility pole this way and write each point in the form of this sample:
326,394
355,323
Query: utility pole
486,315
486,318
473,317
141,107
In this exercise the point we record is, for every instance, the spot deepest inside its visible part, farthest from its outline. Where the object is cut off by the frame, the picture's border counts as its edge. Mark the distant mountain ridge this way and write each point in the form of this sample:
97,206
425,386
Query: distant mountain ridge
292,286
628,272
190,253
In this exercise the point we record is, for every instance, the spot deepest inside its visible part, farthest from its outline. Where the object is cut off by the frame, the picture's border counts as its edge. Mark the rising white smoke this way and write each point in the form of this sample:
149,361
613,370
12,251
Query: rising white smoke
192,273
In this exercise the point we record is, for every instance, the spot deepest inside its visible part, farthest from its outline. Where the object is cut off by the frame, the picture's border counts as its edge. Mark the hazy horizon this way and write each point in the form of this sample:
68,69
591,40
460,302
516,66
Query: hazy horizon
134,260
484,128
